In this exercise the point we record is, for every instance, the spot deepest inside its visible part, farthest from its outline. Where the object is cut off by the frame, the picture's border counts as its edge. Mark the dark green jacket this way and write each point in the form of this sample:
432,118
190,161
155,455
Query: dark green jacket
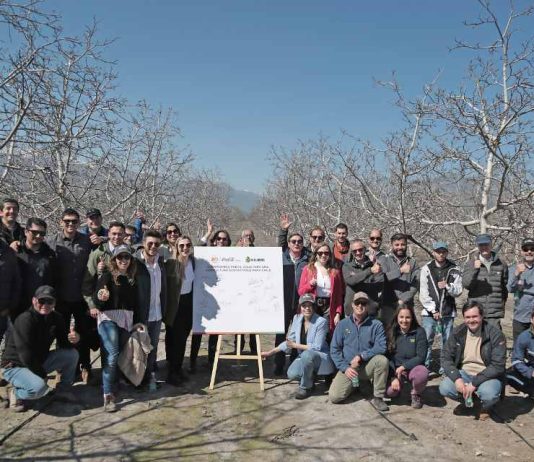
173,269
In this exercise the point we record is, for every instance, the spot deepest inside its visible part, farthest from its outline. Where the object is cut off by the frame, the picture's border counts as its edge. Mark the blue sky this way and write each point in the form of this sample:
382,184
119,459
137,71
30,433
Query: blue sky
246,75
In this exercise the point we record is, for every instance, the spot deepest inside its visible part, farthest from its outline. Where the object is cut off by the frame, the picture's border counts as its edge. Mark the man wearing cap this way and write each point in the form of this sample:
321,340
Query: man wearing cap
485,279
27,358
93,228
307,335
440,283
357,349
521,284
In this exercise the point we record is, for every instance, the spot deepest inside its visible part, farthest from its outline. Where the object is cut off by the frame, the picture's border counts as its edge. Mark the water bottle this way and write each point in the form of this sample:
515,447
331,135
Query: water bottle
72,326
469,401
355,382
152,385
439,328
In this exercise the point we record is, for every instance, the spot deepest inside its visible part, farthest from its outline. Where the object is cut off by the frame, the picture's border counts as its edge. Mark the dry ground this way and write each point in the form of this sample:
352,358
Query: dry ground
238,422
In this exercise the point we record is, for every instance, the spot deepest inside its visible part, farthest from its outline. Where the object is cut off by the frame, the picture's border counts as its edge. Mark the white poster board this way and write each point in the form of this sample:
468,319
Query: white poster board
238,290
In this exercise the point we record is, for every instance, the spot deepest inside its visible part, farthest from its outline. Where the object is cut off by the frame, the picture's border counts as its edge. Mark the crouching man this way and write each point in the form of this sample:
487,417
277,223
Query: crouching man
474,362
521,375
27,358
357,349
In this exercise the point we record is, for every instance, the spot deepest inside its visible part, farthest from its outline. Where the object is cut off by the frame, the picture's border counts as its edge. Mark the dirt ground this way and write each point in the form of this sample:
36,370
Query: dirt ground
237,421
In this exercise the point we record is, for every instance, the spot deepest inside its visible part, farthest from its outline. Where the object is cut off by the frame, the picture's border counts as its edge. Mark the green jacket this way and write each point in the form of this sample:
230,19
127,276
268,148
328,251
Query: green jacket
91,276
174,285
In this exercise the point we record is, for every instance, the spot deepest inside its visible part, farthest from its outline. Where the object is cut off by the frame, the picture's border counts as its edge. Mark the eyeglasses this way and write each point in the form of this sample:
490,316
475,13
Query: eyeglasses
306,306
221,238
374,238
173,231
322,254
187,246
153,244
528,249
124,257
358,250
45,301
359,302
296,241
320,237
37,233
71,222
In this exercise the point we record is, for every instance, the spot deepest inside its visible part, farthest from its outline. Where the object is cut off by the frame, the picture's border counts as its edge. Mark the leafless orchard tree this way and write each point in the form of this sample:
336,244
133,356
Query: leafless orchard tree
462,165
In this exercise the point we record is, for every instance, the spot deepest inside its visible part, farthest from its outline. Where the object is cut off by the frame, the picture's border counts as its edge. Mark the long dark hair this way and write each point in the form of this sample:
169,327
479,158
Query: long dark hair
213,240
130,272
329,264
393,330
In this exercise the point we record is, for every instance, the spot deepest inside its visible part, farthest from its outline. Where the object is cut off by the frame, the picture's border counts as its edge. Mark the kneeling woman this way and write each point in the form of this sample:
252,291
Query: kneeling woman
117,302
308,336
407,347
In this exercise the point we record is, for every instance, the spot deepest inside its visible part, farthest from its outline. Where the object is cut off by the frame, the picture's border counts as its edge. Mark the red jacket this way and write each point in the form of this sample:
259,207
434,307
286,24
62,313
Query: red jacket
337,290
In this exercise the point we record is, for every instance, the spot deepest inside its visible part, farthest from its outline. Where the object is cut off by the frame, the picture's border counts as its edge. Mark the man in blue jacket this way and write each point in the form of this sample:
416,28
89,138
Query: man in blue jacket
357,349
521,375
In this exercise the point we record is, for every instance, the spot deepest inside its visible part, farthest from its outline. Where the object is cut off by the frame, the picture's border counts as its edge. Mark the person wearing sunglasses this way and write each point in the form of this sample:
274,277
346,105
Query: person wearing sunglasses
37,263
116,308
93,228
294,258
72,250
308,337
27,358
320,278
179,314
169,247
152,281
521,284
374,250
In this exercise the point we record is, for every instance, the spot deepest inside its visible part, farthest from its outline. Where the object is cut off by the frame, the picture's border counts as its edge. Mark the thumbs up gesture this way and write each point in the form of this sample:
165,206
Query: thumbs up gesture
101,266
103,294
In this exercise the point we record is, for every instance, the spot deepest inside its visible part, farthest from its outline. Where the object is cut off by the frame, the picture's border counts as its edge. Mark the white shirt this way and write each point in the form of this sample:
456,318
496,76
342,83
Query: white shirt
324,288
189,277
154,313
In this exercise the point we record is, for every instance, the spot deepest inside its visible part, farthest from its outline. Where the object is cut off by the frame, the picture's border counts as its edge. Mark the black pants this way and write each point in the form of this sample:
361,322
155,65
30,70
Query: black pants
251,341
85,326
195,347
518,328
177,333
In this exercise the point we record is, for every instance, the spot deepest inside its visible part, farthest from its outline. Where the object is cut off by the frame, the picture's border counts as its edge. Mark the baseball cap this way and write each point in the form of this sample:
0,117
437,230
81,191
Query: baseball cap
307,298
45,292
121,249
93,213
483,239
360,296
440,245
528,241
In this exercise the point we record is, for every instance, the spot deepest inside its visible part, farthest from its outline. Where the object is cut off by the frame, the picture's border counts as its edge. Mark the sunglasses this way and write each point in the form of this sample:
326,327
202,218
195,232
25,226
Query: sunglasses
37,233
296,241
317,238
173,231
221,238
322,254
71,222
358,250
373,238
124,257
46,301
528,249
186,246
153,244
359,302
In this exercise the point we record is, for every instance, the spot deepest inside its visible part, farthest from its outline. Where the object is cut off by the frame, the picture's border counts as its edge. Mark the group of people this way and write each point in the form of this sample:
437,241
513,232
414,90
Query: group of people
349,310
369,329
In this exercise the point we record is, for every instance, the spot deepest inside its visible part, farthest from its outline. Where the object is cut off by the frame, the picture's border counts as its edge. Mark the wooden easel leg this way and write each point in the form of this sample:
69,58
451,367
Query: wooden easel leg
260,362
238,346
215,362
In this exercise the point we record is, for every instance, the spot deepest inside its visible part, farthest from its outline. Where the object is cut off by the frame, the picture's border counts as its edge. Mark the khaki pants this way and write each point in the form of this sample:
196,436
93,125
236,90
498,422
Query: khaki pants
375,370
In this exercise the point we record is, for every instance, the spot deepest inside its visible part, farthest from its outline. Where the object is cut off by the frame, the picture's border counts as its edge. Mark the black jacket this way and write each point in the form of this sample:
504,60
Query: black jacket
9,236
36,269
28,342
143,287
122,296
492,351
410,349
10,280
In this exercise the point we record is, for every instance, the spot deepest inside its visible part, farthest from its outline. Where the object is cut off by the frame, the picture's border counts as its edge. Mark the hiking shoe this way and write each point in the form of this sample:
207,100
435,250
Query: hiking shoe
417,402
302,393
109,403
379,404
15,404
462,410
484,415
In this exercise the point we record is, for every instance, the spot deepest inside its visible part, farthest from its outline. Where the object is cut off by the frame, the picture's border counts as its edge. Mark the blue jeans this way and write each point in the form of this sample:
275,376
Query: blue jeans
30,386
304,368
429,324
154,329
113,338
489,391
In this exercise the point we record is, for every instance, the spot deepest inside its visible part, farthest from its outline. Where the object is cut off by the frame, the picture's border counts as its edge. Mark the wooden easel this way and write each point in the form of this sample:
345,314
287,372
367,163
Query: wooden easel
238,355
